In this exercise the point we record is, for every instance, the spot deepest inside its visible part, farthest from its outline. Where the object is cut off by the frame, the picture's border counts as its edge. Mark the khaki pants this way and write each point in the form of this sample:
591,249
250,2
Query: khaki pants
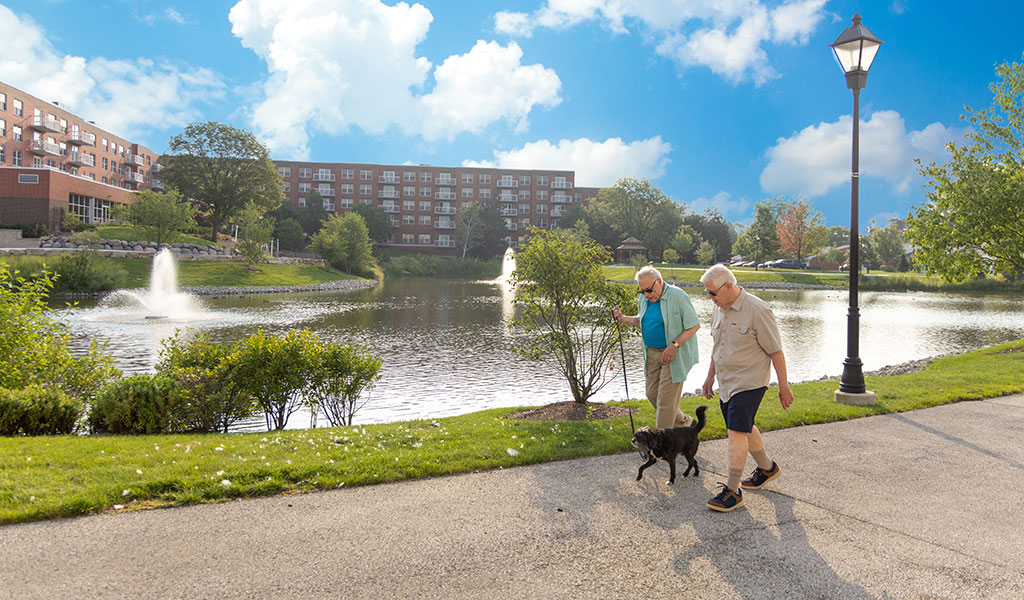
663,393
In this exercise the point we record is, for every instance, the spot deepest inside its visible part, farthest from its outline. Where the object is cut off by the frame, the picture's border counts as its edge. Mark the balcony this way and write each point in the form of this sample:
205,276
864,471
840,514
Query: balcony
81,138
324,177
445,243
41,123
389,208
80,158
388,194
157,167
512,226
136,177
561,198
157,184
135,159
388,179
444,225
557,213
508,198
445,196
444,210
510,211
508,183
42,147
561,185
326,192
444,181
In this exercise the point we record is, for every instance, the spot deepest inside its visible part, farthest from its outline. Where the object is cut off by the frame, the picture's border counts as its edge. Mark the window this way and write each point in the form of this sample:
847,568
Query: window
325,189
408,238
19,110
425,191
347,188
524,223
305,187
524,194
16,132
542,223
365,201
3,101
467,178
104,179
347,173
524,180
346,203
424,219
16,158
3,128
409,176
425,176
365,189
287,186
424,204
64,125
408,204
485,178
542,194
467,192
524,209
323,174
408,220
542,180
485,192
106,164
305,172
22,178
3,156
285,171
365,174
409,190
425,238
542,209
302,203
329,205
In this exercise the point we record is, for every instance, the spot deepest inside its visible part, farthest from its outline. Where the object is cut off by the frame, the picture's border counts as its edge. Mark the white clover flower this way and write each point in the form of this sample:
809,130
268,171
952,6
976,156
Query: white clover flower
512,452
225,483
138,471
219,473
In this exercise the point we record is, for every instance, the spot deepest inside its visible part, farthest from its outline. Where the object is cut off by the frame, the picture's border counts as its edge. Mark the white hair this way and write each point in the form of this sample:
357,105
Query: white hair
647,271
718,275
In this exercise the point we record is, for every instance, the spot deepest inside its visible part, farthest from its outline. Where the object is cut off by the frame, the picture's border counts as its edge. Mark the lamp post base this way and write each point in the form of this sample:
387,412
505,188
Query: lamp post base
866,398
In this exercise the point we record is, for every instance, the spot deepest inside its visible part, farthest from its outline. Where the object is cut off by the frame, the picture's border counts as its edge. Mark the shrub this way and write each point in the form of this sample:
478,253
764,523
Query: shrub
143,403
83,272
211,402
32,230
273,371
338,376
37,410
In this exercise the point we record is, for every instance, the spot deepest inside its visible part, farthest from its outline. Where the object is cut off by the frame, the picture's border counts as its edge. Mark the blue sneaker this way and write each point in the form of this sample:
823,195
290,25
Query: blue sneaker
760,477
726,500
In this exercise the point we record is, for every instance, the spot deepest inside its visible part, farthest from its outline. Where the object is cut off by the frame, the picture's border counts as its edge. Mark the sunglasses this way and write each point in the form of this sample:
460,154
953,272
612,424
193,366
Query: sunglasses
645,290
715,293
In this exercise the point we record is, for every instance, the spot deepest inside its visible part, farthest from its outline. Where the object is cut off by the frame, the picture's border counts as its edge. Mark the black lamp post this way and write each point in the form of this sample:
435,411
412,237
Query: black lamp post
855,48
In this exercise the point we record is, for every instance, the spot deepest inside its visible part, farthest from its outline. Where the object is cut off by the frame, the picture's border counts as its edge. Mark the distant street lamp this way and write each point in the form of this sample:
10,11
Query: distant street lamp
855,48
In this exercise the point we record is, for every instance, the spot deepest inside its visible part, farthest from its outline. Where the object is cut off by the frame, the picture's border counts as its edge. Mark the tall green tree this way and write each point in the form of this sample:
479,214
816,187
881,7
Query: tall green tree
344,242
714,229
887,242
378,221
801,229
480,230
565,305
763,233
838,236
313,215
162,216
638,208
685,242
973,222
221,168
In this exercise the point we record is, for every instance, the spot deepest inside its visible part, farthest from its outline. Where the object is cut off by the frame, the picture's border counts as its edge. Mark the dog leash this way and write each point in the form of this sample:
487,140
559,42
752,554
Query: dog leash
625,380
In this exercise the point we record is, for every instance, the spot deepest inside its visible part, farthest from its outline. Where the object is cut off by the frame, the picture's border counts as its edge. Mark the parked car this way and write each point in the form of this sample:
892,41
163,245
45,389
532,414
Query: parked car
785,263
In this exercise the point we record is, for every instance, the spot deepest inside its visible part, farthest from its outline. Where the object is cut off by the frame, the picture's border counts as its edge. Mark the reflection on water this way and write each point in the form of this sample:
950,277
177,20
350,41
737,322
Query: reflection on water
446,351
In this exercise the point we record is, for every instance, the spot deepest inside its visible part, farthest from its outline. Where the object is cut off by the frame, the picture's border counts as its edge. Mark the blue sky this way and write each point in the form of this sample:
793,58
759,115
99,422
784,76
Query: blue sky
719,102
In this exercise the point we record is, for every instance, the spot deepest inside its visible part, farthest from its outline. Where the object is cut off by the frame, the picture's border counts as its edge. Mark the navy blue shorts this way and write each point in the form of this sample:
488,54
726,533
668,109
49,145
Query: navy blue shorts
739,411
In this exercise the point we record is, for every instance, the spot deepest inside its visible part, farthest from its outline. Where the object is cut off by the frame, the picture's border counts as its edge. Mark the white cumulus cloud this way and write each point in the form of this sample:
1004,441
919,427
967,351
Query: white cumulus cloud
125,97
336,64
728,37
817,158
597,164
724,203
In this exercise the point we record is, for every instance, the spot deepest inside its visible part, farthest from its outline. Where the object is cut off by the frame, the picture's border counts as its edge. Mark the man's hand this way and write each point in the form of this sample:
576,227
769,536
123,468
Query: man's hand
668,354
785,397
707,389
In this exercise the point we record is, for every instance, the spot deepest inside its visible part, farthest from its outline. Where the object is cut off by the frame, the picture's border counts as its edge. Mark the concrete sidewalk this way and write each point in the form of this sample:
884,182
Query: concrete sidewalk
925,504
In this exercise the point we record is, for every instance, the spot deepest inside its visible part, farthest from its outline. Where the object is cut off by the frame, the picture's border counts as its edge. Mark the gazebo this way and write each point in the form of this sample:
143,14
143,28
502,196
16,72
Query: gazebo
630,247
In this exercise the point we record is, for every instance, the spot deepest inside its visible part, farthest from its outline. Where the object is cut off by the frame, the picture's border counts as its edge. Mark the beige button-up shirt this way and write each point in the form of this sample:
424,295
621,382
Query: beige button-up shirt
745,336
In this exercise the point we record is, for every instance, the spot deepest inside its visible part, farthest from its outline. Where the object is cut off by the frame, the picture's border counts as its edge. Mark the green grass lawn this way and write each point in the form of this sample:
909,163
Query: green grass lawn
50,477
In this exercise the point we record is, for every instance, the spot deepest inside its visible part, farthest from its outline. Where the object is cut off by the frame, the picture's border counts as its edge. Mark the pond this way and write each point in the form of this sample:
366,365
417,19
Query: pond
446,351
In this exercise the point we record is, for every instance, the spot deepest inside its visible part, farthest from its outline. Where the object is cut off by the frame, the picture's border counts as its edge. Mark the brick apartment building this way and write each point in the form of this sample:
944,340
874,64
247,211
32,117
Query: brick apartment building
53,161
424,200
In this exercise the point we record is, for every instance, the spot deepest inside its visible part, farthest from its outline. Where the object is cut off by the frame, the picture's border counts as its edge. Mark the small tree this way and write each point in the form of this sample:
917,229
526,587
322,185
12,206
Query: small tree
162,216
290,235
480,230
313,215
273,371
254,232
800,229
339,375
378,222
705,253
344,242
670,256
565,303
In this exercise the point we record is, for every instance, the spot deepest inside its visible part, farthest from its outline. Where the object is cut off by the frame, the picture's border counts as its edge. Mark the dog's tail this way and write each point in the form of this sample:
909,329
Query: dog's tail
700,419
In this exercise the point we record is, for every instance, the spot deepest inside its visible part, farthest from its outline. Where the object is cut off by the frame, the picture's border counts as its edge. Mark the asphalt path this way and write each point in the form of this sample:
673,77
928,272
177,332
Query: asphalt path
924,504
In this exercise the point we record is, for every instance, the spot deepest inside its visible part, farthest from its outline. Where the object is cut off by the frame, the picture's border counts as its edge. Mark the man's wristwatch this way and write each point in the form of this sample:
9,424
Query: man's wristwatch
675,343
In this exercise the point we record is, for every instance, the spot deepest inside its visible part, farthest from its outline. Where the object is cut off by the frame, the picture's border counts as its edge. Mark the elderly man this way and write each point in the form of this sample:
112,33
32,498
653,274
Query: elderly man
746,342
668,323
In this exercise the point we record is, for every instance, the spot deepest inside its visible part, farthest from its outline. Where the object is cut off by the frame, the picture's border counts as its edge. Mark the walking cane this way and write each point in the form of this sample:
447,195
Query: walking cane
625,380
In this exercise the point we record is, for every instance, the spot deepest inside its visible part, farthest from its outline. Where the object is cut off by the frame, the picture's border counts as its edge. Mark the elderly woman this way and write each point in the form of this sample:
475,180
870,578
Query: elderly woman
668,323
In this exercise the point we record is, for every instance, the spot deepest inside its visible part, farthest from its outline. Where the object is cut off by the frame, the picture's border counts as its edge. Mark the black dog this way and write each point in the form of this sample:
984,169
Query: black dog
667,444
